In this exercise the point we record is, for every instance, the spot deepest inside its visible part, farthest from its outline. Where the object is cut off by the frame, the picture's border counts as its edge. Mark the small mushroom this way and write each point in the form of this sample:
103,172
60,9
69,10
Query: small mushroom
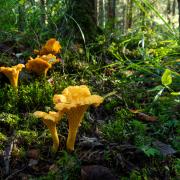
50,120
74,101
38,66
12,73
51,47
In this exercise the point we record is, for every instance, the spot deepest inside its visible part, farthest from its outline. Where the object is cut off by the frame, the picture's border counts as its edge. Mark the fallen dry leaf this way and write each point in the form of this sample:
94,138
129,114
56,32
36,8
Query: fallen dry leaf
135,111
145,117
142,116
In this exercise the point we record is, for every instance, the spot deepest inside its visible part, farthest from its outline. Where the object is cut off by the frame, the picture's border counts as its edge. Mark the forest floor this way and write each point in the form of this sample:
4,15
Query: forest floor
133,134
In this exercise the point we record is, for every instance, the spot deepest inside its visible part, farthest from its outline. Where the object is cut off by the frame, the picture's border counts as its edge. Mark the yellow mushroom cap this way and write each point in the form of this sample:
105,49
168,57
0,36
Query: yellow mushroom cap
12,73
52,46
52,116
59,99
74,96
12,69
38,65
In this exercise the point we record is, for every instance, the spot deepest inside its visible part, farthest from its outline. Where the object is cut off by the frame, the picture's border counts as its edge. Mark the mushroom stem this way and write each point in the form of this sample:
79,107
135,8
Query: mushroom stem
14,80
75,116
45,72
71,139
55,139
52,128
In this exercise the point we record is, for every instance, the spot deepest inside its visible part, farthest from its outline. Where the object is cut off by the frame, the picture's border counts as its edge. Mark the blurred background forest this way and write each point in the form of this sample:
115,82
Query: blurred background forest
83,19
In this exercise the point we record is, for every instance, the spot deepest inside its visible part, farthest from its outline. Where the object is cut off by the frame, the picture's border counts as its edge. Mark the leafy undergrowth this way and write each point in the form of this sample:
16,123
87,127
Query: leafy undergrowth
134,133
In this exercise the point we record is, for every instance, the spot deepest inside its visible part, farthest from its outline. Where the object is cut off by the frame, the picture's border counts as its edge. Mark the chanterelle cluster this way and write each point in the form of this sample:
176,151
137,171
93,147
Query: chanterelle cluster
73,102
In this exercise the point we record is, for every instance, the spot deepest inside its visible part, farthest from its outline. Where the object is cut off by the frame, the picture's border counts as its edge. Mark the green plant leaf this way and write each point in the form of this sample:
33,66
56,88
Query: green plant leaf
156,88
166,78
21,2
149,151
175,93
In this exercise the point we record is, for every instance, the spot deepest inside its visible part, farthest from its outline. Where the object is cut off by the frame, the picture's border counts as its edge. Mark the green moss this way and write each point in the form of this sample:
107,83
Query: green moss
2,137
114,130
10,119
138,127
10,99
35,95
27,135
117,129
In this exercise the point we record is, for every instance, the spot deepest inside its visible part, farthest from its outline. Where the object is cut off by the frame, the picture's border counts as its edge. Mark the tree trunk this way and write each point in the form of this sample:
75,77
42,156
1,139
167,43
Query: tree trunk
96,11
143,17
174,8
168,10
129,14
83,13
110,9
101,17
124,16
111,12
179,16
104,12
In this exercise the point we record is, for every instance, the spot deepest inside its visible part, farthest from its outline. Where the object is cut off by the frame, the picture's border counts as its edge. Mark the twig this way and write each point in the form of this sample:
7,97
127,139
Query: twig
7,156
16,172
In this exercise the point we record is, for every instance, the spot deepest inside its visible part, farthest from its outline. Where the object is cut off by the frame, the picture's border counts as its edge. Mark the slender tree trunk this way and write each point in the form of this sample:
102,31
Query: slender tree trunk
114,8
168,10
104,12
100,17
124,16
98,11
174,8
129,14
83,13
143,17
114,12
111,12
94,11
110,9
179,16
